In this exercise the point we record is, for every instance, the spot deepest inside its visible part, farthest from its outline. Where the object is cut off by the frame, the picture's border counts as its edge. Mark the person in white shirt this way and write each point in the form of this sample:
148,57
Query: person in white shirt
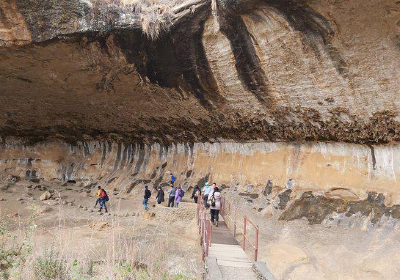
206,192
214,201
290,184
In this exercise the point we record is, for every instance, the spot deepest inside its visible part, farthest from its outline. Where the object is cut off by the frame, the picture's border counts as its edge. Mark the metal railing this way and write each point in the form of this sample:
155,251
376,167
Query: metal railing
232,217
205,228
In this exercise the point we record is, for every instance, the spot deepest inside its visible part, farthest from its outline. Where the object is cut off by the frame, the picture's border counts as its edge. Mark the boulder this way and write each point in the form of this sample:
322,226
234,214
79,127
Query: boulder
46,195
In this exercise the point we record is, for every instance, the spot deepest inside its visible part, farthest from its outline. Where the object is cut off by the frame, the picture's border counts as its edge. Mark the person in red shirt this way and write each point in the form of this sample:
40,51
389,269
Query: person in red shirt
103,199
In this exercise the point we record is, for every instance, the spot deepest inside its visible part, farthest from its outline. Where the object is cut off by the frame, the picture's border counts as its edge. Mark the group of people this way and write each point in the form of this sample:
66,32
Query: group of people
210,195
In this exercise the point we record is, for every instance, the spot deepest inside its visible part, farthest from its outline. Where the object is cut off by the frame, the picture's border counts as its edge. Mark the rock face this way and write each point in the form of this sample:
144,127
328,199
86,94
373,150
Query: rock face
337,170
274,70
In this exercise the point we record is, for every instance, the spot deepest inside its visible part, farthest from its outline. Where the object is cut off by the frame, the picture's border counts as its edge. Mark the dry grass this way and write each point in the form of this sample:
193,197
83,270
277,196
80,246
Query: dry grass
138,250
155,15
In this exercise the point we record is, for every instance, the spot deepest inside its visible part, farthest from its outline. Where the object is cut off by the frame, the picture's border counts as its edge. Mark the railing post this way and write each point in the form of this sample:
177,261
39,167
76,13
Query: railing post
256,245
244,233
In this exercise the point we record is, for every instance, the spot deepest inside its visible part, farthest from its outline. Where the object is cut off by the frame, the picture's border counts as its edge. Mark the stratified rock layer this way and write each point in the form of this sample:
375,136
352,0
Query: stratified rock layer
338,171
274,70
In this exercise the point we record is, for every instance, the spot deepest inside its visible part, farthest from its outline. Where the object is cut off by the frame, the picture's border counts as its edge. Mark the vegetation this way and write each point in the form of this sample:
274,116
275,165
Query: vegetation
155,15
138,258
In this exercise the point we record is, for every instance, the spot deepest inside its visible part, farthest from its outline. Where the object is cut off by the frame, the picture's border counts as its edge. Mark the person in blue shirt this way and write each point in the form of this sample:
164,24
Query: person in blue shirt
173,179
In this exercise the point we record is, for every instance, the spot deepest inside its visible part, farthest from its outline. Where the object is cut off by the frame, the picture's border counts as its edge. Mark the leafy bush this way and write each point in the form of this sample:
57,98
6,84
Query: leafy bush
51,267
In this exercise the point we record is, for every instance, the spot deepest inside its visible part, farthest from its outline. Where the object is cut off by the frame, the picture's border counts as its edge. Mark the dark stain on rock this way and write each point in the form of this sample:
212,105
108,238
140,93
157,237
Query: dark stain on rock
125,155
284,199
137,182
86,150
118,158
373,156
189,173
251,195
317,208
175,60
104,153
132,157
246,60
140,160
268,188
313,26
111,180
154,174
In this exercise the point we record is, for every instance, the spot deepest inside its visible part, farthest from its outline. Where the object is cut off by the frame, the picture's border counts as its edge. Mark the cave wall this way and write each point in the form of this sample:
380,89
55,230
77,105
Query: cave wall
339,170
274,71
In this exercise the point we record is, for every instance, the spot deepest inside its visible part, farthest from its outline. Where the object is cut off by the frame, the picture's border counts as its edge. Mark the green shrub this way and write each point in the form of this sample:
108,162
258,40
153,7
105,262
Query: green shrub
51,267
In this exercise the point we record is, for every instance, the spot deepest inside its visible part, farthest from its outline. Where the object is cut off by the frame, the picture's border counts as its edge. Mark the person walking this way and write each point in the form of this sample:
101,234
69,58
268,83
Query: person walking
215,206
160,195
171,198
179,195
196,194
290,184
103,200
206,193
98,195
173,179
147,195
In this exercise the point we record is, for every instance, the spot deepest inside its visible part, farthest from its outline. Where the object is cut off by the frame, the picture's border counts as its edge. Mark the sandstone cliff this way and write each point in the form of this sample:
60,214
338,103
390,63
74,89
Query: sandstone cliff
270,70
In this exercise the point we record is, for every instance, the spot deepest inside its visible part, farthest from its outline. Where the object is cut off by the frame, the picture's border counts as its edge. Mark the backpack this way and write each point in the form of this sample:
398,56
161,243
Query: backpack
105,198
181,193
212,200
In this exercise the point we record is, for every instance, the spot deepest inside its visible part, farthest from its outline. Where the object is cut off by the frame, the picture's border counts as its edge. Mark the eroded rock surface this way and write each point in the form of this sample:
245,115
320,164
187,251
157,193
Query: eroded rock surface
317,208
274,70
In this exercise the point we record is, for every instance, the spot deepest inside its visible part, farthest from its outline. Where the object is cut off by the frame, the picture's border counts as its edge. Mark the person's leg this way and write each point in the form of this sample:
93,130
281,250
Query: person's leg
105,206
101,205
172,201
195,200
216,217
169,201
212,215
97,202
205,201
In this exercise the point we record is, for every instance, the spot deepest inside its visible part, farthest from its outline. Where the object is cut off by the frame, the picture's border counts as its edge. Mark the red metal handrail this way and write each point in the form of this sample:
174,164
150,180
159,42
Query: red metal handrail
205,229
227,214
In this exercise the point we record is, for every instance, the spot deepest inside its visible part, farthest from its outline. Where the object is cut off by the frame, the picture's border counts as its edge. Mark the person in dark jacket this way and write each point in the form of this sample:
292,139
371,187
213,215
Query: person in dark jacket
160,195
147,195
196,194
171,199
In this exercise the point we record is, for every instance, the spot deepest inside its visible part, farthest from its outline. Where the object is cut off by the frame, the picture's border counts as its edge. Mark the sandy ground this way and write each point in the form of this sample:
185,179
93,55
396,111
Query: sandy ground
338,249
162,239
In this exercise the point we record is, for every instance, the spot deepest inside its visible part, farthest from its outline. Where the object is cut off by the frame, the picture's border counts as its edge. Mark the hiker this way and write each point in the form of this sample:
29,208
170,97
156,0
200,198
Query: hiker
196,194
171,199
98,195
206,192
173,179
103,200
160,195
213,186
290,184
147,195
215,206
179,195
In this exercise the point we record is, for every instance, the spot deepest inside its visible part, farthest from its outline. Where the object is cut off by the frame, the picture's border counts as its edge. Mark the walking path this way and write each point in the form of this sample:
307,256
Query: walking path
227,259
